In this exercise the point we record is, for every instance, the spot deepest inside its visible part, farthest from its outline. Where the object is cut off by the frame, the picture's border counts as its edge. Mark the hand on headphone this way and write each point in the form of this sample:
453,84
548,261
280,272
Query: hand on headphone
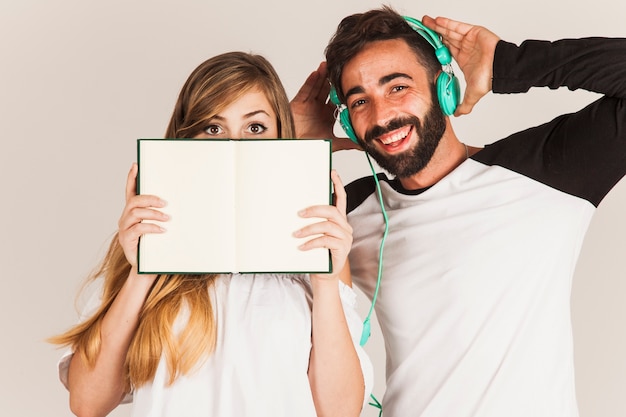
473,48
313,114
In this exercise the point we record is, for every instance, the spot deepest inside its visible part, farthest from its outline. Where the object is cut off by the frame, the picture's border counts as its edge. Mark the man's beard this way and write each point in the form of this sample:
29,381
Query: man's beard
415,159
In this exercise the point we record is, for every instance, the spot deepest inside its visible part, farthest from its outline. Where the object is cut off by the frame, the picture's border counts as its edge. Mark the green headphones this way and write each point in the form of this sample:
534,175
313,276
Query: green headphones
448,89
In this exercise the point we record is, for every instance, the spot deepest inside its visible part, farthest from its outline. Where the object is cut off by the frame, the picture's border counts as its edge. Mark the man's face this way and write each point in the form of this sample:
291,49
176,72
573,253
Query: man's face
390,99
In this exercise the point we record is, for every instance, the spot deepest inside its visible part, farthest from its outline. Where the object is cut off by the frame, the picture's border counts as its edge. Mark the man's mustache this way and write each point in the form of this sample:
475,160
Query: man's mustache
377,131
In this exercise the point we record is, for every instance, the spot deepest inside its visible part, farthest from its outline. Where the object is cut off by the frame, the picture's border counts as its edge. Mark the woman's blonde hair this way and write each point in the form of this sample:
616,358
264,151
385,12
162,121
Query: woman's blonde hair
221,80
212,86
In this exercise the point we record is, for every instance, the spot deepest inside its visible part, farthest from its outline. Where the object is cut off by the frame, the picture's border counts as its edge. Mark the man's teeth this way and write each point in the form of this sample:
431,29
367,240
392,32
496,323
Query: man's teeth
392,138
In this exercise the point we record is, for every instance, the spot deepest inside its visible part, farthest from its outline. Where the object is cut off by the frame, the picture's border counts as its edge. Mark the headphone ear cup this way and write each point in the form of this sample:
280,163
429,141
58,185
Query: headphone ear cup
344,121
344,115
332,94
448,92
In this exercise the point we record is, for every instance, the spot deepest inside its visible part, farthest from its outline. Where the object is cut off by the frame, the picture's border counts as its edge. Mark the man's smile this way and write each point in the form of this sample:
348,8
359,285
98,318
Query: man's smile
396,140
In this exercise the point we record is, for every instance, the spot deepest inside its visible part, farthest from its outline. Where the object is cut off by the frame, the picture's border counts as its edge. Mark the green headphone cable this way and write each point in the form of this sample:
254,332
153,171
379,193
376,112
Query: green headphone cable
366,324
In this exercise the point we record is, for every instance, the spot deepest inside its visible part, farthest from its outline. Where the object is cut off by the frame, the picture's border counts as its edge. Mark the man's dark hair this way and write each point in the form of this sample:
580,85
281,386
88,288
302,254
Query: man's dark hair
357,30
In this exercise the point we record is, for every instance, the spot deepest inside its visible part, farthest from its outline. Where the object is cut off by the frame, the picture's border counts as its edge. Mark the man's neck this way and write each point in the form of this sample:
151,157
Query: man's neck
450,153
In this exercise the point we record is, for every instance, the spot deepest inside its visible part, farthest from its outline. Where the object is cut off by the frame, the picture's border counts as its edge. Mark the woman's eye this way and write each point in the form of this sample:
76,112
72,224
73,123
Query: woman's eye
213,130
257,128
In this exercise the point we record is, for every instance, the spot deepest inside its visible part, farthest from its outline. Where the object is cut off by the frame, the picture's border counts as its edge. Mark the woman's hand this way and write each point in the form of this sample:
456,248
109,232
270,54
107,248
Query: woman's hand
137,209
335,232
335,374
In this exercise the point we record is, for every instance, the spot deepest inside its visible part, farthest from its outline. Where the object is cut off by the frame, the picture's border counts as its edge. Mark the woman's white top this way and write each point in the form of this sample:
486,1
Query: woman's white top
260,363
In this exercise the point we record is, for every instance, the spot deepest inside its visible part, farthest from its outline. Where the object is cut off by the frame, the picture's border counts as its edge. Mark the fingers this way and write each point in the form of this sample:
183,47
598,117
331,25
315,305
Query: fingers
335,215
131,181
136,205
447,28
131,191
322,86
334,233
315,87
340,192
328,235
452,32
337,237
141,209
330,213
137,220
304,93
138,217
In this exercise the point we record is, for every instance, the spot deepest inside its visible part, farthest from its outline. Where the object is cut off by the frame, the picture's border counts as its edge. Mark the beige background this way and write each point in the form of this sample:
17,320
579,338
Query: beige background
80,81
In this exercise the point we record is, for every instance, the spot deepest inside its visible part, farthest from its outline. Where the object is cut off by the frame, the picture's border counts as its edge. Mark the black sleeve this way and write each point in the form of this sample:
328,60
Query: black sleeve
593,64
583,153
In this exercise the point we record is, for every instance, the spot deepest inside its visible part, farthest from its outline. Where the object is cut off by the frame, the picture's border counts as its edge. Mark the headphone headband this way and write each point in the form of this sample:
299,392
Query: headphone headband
441,51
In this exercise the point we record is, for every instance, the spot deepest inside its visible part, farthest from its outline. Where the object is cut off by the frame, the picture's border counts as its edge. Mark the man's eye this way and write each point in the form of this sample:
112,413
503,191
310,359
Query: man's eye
357,103
213,130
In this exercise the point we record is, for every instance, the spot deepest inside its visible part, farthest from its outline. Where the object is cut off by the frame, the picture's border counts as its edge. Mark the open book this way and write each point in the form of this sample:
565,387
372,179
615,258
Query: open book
233,204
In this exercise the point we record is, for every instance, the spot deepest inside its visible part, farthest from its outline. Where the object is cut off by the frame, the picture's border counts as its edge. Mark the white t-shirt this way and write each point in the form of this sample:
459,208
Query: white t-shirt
260,363
474,299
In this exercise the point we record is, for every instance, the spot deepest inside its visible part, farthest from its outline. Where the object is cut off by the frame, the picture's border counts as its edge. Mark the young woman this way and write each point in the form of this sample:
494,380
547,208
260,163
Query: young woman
221,345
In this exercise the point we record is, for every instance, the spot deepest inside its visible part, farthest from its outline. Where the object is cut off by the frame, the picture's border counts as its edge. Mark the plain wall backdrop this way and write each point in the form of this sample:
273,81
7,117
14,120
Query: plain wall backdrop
80,81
